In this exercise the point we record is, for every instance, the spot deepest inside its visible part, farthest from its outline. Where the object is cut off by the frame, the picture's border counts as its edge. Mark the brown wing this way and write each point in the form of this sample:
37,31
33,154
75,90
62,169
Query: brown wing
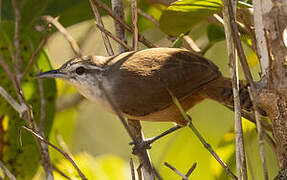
141,78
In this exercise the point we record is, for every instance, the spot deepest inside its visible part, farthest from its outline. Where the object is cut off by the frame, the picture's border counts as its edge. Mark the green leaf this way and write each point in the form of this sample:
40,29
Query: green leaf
70,11
23,161
215,33
181,16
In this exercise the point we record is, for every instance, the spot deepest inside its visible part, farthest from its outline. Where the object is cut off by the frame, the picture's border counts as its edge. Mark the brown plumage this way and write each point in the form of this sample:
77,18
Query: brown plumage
139,82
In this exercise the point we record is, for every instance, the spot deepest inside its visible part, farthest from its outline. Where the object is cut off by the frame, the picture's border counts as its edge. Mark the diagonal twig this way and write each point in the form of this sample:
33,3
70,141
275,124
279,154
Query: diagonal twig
114,37
176,171
34,55
123,23
191,170
148,17
57,149
20,108
100,23
199,136
7,172
64,32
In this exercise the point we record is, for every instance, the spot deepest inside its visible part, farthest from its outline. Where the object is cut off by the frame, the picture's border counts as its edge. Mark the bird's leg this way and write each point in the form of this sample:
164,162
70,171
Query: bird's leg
146,144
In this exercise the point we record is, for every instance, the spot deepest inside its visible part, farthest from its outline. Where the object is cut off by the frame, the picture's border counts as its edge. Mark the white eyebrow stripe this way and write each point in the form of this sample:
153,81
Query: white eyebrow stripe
94,67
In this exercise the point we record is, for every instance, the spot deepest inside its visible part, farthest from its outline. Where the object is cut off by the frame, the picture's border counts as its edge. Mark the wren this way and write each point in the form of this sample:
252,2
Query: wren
138,81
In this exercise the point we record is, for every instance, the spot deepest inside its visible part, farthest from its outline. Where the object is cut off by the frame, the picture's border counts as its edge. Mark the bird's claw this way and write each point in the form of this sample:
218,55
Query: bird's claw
140,146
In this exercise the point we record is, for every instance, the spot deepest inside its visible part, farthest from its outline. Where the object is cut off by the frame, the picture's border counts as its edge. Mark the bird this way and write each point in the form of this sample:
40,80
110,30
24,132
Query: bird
139,82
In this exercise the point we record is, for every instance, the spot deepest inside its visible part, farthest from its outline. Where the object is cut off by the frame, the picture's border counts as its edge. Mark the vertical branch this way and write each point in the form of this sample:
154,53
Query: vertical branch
101,24
261,44
135,24
117,7
233,63
248,77
143,155
134,126
17,17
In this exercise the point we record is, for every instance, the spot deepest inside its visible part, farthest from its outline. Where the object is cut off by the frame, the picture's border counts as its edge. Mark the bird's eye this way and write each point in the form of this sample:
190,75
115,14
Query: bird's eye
80,70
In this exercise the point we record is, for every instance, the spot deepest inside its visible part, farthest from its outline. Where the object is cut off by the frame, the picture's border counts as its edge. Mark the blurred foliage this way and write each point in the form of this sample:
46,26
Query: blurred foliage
100,168
182,16
23,161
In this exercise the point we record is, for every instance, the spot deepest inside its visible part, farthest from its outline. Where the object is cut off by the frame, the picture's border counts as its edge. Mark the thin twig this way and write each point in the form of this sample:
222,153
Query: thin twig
34,55
65,33
17,17
11,76
176,171
191,45
191,170
100,23
132,169
63,144
20,108
199,136
153,139
61,172
261,43
123,23
114,37
248,76
135,24
157,175
233,67
59,150
148,17
6,171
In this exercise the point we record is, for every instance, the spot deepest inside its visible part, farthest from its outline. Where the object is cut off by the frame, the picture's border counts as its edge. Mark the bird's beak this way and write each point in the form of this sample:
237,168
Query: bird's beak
51,74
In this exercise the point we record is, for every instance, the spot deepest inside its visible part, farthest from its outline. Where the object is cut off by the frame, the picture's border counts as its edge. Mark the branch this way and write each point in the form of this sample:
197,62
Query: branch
261,44
122,43
117,7
64,32
20,108
135,24
57,149
248,76
148,17
132,169
176,171
34,55
100,23
123,23
199,136
184,177
7,172
233,66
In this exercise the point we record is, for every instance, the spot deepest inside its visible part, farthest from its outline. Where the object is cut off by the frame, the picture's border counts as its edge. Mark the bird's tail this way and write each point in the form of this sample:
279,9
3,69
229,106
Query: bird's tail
221,91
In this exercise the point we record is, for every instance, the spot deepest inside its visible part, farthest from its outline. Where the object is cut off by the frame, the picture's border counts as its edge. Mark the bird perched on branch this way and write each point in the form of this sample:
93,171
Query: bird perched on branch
138,82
